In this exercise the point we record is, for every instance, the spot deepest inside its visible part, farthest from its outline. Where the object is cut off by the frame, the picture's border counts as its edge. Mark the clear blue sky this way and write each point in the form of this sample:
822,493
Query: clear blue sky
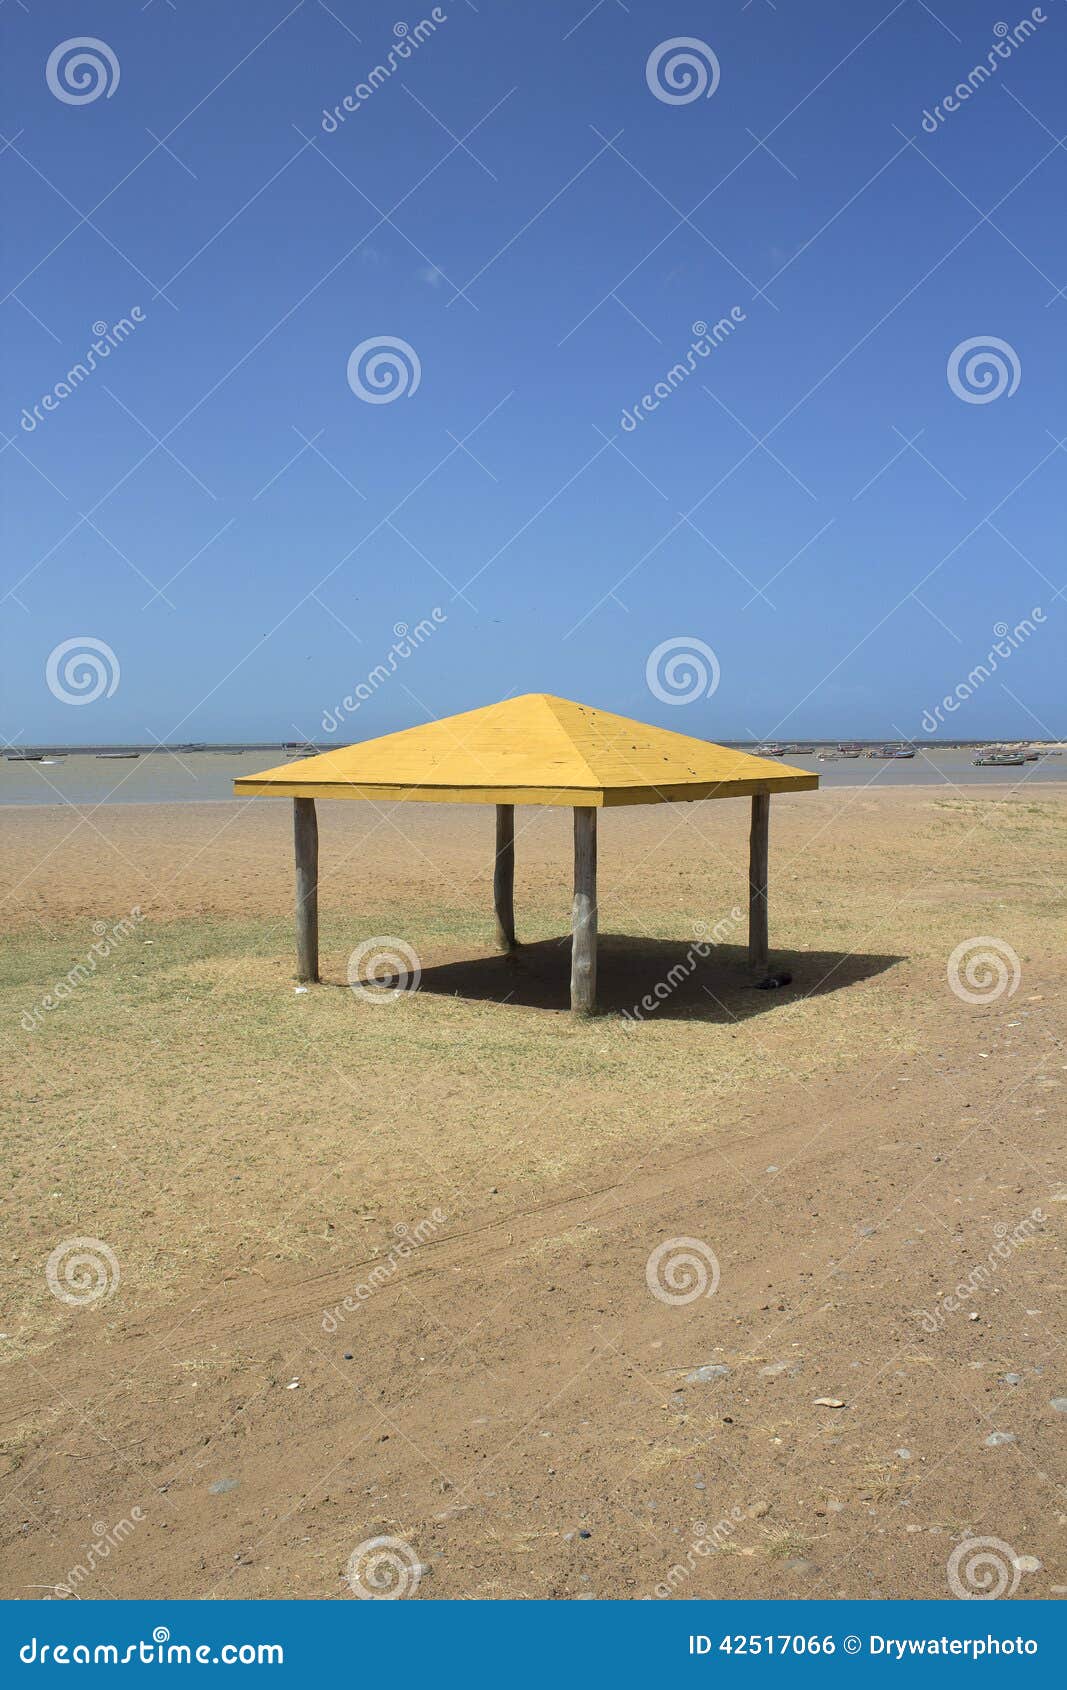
560,548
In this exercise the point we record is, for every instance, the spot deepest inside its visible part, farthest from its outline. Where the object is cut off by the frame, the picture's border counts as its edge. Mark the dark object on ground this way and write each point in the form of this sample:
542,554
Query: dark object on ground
772,981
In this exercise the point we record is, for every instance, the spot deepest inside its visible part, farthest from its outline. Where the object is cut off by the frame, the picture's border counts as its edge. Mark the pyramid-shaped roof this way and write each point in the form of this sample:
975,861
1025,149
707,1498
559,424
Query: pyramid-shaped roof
530,750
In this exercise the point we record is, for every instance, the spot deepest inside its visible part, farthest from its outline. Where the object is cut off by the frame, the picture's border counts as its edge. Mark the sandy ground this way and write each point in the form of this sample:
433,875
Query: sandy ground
866,1165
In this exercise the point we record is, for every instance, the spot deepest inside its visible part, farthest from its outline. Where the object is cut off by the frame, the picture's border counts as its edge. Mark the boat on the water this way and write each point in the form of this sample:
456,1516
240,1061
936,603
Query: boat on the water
999,760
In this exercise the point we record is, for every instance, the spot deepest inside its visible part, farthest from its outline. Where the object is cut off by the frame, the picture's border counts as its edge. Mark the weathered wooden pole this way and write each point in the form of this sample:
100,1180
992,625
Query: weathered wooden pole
504,877
583,920
306,845
758,843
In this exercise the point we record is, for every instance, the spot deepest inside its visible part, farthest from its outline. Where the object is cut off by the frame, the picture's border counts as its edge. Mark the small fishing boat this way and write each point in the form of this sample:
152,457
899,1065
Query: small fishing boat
902,751
999,760
828,756
116,756
24,756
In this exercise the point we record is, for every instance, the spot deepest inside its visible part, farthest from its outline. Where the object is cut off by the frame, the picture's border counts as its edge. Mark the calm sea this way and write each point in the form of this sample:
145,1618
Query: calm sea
199,777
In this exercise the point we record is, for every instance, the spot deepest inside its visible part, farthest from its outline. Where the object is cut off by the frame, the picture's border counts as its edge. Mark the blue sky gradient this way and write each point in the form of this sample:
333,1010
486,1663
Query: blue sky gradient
218,506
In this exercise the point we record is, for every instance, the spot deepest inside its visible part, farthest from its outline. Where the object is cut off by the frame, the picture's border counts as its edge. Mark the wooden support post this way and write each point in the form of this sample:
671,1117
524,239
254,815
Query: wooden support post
306,844
583,921
504,877
757,882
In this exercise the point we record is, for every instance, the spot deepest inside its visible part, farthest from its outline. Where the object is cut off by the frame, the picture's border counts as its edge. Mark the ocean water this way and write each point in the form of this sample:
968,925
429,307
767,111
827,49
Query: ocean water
199,777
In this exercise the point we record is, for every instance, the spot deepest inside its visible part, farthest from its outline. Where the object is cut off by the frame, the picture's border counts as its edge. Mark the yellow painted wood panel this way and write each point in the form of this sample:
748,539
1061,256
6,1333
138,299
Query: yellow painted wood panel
536,749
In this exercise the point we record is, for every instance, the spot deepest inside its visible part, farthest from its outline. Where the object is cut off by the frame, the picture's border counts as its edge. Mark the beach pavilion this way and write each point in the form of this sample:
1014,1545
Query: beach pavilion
536,749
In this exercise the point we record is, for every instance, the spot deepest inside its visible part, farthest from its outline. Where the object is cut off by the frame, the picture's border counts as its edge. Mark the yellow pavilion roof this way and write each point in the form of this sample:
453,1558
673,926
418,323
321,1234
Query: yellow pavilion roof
530,750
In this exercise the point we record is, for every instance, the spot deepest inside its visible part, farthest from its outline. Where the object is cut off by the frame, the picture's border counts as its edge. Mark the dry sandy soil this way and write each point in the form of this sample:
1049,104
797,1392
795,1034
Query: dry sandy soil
869,1164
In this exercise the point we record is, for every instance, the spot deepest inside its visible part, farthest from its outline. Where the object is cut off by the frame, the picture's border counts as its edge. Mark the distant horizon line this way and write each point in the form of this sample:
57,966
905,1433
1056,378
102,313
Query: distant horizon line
18,753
